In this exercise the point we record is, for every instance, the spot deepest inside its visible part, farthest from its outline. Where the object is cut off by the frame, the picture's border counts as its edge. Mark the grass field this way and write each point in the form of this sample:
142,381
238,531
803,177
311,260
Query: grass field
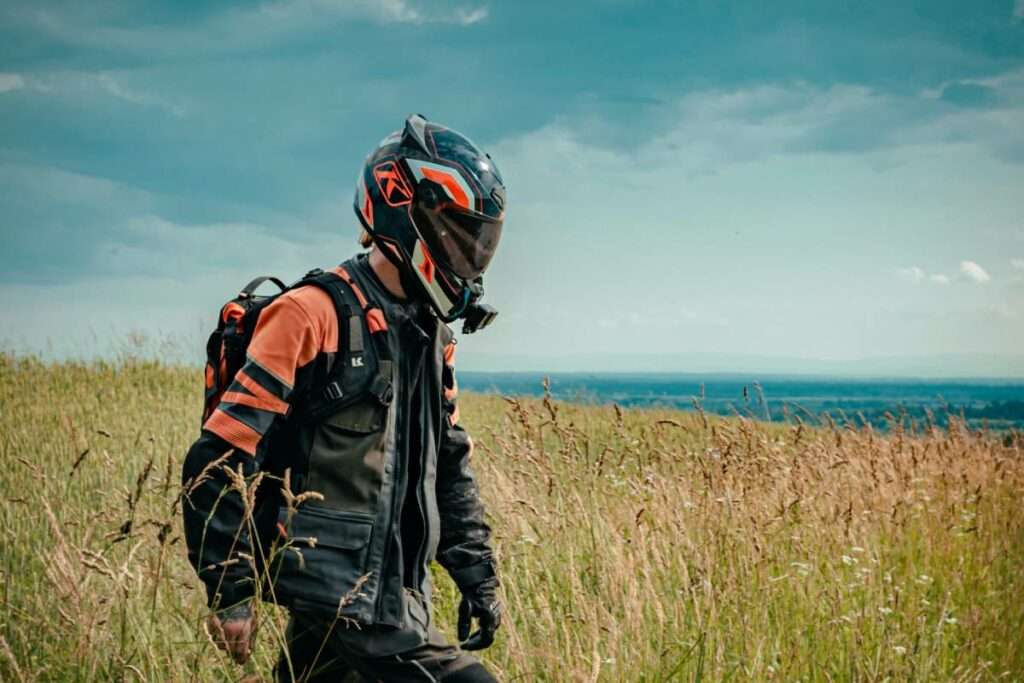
635,545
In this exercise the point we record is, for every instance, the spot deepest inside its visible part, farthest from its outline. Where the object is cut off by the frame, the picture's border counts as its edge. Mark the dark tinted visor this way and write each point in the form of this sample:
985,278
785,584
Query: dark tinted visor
461,242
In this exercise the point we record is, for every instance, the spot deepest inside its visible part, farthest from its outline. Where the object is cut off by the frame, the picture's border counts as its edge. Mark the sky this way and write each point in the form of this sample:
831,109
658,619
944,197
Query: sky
691,185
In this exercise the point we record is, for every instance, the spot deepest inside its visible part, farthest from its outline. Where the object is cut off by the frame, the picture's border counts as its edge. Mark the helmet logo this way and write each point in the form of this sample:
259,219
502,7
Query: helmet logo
392,185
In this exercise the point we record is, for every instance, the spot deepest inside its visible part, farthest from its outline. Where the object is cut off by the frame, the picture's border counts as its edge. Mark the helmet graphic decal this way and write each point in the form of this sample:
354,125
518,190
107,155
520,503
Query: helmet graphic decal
392,185
446,176
427,267
427,272
364,202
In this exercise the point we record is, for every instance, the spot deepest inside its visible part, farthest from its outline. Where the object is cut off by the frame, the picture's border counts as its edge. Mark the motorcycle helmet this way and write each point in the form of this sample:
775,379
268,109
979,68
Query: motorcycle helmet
438,202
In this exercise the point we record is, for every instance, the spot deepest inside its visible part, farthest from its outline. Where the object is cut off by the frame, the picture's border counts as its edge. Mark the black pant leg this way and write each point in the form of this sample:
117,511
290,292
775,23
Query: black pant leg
311,657
325,652
434,660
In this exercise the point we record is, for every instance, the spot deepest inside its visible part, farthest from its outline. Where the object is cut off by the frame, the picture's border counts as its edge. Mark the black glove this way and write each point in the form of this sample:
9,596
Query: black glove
481,602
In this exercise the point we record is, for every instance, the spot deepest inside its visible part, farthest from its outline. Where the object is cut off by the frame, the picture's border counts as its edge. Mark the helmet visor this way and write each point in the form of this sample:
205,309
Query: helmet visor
462,242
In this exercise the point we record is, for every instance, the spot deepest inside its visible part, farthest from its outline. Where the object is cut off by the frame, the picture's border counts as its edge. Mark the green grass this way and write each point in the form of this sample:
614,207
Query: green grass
634,546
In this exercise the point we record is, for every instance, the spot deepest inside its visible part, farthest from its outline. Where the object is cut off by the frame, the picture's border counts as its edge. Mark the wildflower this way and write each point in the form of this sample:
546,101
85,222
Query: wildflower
849,561
951,620
885,610
802,568
899,649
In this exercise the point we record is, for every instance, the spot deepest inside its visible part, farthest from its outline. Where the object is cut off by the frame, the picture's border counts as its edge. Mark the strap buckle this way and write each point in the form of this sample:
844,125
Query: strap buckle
382,389
333,391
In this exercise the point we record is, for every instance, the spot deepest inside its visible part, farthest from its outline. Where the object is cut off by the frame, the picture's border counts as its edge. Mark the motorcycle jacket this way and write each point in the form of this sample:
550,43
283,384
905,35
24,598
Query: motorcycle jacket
348,395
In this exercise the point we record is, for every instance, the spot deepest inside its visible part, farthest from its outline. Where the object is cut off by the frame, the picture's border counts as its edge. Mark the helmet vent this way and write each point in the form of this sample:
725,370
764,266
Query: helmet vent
415,133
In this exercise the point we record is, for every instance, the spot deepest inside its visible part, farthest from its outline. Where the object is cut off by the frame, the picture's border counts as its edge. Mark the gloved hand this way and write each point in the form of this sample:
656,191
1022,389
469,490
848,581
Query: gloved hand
479,602
233,630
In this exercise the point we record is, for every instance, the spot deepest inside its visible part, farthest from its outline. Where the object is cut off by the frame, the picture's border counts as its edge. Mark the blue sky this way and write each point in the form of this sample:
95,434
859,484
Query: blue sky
789,180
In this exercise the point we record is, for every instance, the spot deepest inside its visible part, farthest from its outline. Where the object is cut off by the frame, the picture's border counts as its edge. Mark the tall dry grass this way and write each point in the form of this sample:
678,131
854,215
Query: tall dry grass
634,545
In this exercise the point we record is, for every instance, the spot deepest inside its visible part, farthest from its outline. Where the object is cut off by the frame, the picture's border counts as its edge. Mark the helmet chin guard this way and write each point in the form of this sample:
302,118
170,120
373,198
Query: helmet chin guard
439,201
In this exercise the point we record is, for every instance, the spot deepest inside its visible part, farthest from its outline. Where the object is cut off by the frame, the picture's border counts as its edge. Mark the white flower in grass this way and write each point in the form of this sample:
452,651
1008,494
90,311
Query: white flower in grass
951,620
849,561
899,649
885,610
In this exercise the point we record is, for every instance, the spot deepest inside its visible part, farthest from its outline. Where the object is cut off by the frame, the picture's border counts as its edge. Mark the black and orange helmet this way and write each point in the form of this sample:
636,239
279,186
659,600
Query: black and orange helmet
440,202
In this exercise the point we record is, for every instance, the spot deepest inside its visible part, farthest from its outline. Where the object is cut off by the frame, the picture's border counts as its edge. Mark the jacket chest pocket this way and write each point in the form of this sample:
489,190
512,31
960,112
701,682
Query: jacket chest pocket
347,458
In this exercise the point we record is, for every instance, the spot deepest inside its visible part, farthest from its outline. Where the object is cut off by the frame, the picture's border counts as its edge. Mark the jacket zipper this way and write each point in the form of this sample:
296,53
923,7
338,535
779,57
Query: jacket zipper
396,477
421,493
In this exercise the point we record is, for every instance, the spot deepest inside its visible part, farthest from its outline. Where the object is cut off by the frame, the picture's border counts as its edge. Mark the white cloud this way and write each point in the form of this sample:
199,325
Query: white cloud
917,275
1017,263
249,25
9,82
113,87
467,17
78,85
973,271
913,274
381,11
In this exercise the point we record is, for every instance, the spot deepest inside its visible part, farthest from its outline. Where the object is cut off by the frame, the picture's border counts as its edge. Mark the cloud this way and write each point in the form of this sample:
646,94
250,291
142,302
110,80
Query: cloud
718,126
254,25
467,17
913,274
973,271
9,82
969,94
1017,263
109,228
917,275
78,85
113,87
382,11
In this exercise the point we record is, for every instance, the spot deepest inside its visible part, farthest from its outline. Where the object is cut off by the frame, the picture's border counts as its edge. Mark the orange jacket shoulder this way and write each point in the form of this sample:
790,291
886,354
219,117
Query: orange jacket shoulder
292,330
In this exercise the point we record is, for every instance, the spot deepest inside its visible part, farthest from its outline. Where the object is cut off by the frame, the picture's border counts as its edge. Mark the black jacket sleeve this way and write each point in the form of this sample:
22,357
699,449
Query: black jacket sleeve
217,527
465,546
216,530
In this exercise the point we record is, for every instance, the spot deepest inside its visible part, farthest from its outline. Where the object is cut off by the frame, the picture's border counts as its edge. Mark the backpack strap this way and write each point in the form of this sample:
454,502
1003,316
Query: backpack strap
251,288
380,386
350,375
